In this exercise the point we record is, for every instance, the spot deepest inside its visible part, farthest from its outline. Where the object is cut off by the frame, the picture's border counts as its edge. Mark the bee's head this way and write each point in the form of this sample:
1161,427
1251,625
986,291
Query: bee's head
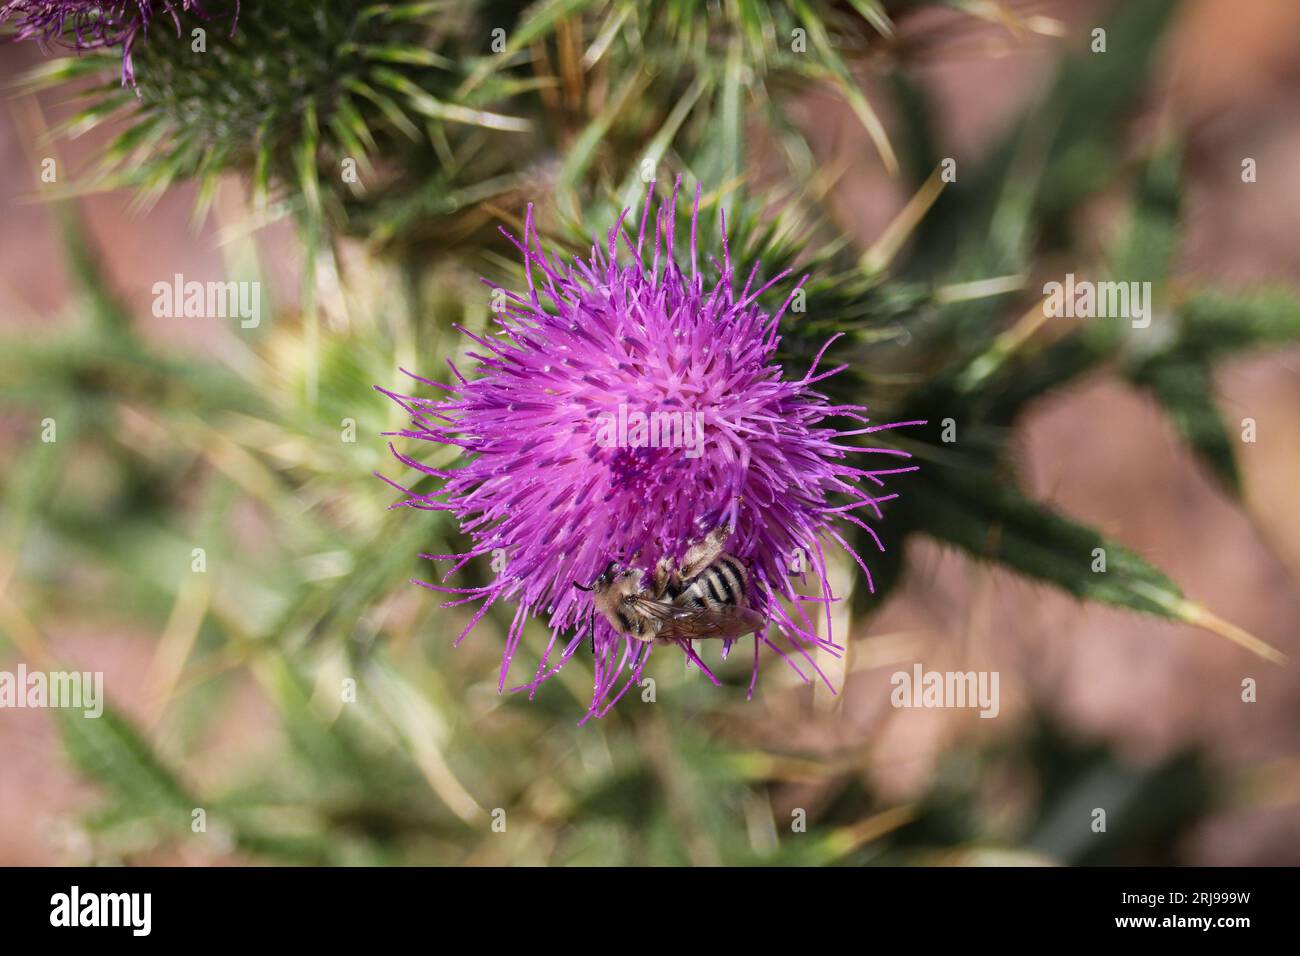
613,580
612,591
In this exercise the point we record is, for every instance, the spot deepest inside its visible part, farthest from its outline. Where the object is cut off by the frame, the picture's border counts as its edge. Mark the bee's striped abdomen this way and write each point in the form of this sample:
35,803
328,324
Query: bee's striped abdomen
722,584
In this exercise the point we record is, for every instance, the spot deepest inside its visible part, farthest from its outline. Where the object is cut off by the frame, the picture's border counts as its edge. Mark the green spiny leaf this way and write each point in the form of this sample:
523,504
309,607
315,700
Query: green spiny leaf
1185,389
109,749
993,520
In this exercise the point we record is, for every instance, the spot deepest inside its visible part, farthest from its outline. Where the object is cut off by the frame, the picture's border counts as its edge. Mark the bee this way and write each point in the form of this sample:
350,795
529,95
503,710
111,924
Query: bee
707,595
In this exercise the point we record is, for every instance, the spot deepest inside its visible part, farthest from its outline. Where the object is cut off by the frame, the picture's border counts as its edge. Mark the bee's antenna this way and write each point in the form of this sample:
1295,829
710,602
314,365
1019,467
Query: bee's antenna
581,587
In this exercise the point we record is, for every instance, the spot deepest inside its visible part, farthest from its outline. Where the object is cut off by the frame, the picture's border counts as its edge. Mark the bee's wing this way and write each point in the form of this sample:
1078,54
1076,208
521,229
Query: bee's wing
689,623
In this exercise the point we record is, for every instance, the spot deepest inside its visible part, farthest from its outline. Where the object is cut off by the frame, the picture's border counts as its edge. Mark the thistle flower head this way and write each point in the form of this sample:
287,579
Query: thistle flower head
588,349
95,24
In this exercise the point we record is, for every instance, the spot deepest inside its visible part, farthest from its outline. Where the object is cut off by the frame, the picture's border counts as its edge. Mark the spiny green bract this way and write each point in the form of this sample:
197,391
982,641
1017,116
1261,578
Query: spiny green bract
301,95
404,121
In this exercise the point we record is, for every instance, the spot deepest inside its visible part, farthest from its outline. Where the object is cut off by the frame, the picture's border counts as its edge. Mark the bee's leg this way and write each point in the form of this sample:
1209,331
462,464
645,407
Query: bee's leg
666,580
663,571
704,552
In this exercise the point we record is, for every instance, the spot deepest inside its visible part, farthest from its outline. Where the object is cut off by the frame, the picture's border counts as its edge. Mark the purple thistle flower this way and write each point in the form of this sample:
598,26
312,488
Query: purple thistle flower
539,483
95,24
